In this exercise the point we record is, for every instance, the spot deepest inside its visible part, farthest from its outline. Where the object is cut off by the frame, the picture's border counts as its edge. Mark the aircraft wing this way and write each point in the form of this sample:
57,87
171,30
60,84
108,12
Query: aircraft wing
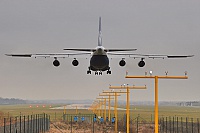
56,55
153,56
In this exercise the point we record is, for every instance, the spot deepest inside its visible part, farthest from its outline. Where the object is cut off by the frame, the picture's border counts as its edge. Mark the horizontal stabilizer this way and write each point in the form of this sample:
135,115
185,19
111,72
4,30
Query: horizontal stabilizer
106,50
84,50
118,50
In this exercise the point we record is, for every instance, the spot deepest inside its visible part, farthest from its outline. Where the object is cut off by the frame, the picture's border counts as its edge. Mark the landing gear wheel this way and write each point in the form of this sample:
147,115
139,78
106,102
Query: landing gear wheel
100,73
108,72
88,72
96,73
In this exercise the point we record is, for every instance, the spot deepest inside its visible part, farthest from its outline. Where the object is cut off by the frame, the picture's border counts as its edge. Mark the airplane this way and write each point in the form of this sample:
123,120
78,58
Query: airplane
99,60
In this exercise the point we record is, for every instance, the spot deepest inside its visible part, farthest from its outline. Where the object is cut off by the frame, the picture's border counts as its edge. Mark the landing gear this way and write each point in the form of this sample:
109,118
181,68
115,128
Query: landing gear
98,73
108,72
88,72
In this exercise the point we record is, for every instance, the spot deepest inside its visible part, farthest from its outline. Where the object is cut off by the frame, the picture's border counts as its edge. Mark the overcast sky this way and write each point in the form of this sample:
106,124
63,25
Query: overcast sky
47,26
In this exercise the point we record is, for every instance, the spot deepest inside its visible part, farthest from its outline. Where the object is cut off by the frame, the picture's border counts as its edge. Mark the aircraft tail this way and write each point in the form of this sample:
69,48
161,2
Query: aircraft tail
99,37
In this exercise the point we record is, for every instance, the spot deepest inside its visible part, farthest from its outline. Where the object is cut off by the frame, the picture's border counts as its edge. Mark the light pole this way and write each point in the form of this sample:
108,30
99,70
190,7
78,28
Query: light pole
127,101
156,90
115,108
94,107
109,98
76,110
65,109
100,108
116,116
105,105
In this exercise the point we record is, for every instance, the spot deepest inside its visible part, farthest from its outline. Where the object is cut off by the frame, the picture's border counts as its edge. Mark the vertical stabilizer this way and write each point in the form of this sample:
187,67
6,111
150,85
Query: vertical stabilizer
99,37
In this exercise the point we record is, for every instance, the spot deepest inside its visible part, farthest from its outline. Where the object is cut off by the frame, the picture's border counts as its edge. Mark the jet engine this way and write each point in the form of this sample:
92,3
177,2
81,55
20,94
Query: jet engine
56,63
75,62
141,63
122,63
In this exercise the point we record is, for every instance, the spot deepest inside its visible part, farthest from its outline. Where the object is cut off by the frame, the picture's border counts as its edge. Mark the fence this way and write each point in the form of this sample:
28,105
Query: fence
87,123
137,124
92,124
79,117
166,125
26,124
179,125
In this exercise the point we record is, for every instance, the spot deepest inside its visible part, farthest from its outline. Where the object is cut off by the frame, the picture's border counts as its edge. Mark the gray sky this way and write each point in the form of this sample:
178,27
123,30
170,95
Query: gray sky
48,26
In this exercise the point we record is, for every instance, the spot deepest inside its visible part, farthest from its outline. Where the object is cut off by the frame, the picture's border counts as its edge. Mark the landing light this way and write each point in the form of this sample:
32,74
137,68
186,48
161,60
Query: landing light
151,72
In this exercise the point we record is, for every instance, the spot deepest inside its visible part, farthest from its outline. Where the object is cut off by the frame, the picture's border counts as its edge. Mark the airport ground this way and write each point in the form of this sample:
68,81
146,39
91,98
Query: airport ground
145,112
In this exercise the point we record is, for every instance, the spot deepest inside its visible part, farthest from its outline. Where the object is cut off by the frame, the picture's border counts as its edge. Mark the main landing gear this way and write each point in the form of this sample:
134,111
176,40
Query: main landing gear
89,72
109,72
100,72
97,72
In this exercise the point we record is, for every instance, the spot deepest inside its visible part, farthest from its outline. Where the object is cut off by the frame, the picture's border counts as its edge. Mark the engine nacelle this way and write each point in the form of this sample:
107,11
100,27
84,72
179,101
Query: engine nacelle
141,63
75,62
56,63
122,63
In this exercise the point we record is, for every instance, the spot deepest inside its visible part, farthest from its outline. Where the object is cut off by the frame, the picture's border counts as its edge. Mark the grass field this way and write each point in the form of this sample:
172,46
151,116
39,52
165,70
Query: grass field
145,112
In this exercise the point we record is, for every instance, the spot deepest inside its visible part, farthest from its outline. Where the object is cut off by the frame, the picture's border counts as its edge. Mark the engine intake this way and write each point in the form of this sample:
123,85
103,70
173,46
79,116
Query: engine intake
75,62
141,63
122,63
56,63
